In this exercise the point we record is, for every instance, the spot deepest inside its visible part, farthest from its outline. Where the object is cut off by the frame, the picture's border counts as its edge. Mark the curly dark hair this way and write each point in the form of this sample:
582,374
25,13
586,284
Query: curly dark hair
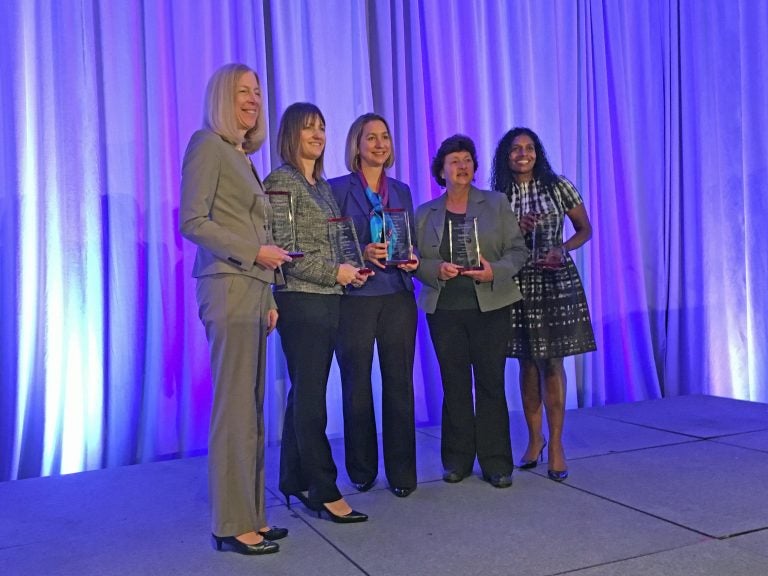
455,143
502,176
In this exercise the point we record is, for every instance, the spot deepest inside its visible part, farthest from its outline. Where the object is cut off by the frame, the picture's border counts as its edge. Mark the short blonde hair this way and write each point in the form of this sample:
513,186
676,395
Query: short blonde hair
352,156
296,117
219,114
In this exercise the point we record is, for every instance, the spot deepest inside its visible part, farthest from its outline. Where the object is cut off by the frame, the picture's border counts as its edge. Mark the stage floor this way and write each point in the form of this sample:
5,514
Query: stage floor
668,487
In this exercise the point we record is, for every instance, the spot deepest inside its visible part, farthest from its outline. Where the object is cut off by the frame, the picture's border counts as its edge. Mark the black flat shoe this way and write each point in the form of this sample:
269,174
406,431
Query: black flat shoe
529,464
402,492
274,533
498,480
452,476
557,475
263,547
350,518
364,486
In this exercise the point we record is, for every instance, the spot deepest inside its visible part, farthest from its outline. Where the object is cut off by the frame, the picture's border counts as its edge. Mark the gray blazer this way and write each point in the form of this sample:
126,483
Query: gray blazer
501,244
224,209
313,207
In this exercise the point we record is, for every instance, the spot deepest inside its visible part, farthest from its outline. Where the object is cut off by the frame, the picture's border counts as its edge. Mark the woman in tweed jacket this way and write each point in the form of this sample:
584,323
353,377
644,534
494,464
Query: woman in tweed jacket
309,312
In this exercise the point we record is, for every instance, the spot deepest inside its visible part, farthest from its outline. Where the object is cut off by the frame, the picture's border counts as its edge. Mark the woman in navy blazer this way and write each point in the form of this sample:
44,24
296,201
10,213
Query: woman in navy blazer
382,311
468,313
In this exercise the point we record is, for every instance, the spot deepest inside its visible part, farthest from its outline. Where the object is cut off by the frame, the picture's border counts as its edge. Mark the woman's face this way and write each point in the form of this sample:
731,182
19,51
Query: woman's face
247,101
458,169
375,144
522,157
312,139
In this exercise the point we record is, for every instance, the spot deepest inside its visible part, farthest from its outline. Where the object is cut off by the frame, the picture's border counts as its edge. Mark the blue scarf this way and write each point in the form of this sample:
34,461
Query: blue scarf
377,215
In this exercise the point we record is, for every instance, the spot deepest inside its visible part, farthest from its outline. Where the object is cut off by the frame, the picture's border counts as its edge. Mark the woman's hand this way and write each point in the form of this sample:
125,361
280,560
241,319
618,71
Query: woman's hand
374,252
554,259
484,275
410,266
346,274
271,256
271,320
528,221
447,271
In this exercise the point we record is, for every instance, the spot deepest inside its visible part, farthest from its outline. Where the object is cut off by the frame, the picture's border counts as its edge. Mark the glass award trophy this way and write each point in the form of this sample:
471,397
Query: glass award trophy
464,245
396,231
283,212
346,248
543,239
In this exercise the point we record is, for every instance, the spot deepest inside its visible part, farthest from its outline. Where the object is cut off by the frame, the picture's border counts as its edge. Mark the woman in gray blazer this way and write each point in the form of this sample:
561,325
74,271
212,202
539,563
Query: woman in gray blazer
309,312
225,212
468,311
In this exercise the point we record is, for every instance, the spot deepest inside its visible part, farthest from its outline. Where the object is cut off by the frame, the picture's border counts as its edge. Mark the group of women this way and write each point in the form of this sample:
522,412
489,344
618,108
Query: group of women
521,296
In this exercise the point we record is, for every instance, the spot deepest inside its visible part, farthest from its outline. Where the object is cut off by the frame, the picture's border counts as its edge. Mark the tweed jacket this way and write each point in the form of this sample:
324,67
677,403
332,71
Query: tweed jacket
501,244
350,196
313,207
223,209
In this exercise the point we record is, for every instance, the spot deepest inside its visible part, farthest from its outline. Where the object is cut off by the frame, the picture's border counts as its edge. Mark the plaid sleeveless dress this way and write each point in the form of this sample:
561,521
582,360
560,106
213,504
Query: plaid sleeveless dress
552,320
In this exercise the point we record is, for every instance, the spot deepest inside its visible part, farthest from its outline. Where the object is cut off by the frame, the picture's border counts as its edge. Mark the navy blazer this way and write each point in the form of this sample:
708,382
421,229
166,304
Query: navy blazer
501,244
350,196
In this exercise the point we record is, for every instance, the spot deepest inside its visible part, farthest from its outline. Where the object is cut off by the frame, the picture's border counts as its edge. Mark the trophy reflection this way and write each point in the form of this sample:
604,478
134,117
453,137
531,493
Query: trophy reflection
346,248
283,214
464,245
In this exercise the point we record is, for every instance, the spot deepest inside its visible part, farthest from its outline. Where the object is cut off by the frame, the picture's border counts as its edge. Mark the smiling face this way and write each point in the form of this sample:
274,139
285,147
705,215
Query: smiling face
375,145
458,169
247,101
312,140
522,158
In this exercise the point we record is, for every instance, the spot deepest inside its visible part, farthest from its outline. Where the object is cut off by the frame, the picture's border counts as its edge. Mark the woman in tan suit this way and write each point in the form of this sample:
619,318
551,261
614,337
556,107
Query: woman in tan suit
225,212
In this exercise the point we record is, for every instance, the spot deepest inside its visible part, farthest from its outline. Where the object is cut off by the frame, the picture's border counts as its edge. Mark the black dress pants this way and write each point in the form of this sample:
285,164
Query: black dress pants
467,343
307,324
389,322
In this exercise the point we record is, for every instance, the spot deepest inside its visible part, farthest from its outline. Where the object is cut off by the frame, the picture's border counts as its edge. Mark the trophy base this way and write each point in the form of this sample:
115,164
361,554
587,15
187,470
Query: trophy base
470,268
398,262
296,254
365,271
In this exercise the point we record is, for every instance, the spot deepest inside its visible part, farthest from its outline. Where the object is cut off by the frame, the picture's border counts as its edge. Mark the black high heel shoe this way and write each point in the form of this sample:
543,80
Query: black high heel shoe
300,496
529,464
350,518
557,475
364,486
263,547
274,533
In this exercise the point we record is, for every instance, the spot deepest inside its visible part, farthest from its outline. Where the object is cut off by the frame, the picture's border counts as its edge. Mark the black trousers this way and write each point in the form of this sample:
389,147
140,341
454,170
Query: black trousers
307,324
471,342
389,321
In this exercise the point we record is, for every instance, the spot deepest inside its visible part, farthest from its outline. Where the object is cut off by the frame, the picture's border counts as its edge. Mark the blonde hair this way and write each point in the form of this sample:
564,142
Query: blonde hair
296,117
219,111
352,156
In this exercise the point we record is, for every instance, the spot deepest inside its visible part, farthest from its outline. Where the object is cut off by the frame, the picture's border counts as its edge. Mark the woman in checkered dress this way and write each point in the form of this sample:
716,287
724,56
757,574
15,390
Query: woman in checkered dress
552,321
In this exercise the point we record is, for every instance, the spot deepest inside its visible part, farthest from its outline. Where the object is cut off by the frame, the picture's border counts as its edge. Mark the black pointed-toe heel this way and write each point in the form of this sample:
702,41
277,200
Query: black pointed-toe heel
274,533
350,518
557,475
401,492
300,496
263,547
364,486
529,464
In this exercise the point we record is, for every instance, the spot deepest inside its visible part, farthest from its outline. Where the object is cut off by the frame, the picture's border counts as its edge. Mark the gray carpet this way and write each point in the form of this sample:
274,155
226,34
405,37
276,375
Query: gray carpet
665,487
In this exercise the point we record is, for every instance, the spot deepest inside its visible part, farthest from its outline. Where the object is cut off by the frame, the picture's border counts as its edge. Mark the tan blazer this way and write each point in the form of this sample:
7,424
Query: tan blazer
224,209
